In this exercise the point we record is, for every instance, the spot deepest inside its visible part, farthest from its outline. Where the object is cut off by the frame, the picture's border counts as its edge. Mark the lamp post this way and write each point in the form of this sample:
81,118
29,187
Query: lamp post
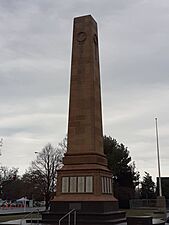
161,202
158,160
1,144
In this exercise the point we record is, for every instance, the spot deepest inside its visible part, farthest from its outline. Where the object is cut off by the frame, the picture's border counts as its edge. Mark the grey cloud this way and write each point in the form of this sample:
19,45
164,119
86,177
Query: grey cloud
35,68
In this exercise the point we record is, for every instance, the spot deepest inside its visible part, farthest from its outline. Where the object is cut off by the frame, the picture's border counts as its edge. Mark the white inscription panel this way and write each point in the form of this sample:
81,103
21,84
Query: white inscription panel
105,185
108,185
65,184
89,184
111,184
81,183
102,184
72,184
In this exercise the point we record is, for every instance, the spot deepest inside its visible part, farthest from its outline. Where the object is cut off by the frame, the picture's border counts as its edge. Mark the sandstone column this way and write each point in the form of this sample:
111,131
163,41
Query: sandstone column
85,182
85,175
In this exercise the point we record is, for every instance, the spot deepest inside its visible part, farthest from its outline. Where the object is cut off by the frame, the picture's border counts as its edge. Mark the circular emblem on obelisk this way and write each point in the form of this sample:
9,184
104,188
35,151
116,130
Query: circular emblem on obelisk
81,36
95,39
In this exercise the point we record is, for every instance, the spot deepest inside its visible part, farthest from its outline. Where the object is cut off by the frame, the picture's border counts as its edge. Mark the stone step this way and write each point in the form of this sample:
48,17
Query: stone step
106,222
34,220
158,222
87,218
144,220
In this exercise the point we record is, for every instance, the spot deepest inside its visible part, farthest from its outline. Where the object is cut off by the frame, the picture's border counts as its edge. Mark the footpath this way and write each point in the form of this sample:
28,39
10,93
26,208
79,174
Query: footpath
12,211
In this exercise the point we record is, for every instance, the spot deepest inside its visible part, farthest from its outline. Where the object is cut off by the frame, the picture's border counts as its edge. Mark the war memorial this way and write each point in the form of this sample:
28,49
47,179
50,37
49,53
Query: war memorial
84,193
85,182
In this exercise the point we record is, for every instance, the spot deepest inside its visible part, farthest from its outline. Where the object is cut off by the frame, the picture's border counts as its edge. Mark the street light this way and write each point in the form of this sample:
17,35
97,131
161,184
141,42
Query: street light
1,144
158,160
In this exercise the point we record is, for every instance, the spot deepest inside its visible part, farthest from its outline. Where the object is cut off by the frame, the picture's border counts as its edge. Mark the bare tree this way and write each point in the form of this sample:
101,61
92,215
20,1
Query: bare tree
44,170
7,174
63,145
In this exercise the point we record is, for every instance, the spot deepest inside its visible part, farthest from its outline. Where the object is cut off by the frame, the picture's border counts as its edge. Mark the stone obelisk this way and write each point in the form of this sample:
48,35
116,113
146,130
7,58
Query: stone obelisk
85,182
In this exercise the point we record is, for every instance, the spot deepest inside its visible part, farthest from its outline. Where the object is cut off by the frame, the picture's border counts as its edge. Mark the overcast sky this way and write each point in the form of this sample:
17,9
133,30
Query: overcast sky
35,55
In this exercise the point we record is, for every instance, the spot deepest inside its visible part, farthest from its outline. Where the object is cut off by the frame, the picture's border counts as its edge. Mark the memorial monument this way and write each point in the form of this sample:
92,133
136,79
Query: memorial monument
85,182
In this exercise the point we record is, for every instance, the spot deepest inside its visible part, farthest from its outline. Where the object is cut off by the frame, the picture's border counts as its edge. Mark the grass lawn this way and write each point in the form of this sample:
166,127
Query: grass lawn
139,212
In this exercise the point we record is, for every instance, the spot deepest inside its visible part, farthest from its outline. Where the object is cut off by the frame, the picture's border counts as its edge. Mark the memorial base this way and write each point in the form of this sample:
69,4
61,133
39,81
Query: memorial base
92,212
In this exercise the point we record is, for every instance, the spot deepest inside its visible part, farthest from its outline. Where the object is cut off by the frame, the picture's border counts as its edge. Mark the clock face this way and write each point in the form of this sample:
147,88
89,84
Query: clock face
81,36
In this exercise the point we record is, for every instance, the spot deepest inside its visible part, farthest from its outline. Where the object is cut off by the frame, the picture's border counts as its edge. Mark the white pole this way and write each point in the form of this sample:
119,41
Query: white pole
24,204
158,160
1,144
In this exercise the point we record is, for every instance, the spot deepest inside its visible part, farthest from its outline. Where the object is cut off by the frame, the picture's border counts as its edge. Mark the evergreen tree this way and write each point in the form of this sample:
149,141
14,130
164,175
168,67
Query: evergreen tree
125,176
147,187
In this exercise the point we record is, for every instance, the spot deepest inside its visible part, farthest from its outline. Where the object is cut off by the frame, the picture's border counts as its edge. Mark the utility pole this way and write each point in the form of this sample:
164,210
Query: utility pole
158,160
161,201
1,144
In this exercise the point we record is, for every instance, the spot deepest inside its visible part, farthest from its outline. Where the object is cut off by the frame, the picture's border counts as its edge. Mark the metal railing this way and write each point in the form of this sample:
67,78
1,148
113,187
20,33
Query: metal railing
69,217
30,214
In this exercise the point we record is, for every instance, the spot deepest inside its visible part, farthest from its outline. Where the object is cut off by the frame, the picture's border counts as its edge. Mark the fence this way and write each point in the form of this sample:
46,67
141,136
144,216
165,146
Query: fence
145,203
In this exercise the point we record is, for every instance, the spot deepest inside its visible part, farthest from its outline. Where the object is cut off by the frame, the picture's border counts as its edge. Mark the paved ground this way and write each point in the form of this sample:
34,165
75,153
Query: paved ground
12,222
27,210
20,210
18,222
